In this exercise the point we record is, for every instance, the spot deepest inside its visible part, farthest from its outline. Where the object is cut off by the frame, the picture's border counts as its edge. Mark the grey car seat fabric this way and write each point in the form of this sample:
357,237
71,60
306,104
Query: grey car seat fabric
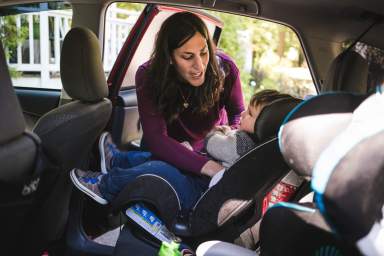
348,178
348,73
310,127
69,132
19,158
223,204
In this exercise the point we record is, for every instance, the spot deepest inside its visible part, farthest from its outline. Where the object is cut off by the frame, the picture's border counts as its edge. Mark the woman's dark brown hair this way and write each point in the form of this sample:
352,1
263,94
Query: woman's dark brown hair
167,87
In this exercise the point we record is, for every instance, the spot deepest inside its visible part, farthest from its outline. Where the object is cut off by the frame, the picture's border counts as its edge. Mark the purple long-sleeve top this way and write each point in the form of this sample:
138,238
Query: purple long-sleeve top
163,140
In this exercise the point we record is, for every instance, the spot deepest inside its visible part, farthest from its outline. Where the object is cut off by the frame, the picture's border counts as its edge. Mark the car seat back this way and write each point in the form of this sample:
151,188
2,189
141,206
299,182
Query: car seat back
69,132
20,170
348,73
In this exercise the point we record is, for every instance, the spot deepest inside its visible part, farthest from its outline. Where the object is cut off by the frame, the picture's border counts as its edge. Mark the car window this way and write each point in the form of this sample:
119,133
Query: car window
145,48
32,36
120,18
269,55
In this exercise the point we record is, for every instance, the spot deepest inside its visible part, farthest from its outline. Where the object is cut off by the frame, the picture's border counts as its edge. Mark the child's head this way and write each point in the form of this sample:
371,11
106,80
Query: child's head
258,101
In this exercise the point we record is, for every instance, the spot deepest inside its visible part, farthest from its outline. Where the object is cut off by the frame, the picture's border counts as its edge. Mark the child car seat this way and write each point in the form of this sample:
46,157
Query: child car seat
304,137
243,186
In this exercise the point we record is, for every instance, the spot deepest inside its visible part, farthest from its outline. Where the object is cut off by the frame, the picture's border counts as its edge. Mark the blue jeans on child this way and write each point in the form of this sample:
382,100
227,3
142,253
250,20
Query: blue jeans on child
126,166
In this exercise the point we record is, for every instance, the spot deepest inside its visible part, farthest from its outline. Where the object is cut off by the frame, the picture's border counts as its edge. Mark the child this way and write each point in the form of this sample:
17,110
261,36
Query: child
228,145
223,144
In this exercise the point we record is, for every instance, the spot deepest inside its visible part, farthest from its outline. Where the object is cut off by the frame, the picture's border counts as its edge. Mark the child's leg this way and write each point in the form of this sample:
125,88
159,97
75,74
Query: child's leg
128,159
188,187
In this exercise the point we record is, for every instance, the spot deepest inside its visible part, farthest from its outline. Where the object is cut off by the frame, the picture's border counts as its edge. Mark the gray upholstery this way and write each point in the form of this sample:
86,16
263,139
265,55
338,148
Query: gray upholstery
312,125
69,132
18,157
348,72
81,66
12,124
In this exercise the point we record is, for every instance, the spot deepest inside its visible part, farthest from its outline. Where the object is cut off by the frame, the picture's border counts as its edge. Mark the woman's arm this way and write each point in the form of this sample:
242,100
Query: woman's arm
156,137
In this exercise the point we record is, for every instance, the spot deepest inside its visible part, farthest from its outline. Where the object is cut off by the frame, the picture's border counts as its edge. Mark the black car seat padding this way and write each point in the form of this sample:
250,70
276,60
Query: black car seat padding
292,229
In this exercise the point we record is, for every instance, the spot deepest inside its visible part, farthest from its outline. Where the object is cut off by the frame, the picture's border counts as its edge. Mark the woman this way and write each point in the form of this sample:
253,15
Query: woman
184,91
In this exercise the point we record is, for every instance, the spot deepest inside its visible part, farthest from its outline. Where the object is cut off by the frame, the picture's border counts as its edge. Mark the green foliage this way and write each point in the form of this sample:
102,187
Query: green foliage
273,46
11,37
131,6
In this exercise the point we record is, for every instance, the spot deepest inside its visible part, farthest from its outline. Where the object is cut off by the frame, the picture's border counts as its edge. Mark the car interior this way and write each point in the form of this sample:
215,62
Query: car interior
48,131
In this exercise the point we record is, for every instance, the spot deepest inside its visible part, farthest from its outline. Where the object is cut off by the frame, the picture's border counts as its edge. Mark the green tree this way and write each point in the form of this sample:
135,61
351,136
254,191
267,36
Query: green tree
11,37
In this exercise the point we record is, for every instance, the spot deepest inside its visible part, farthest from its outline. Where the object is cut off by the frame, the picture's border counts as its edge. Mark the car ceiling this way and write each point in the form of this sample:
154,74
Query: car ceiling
339,20
322,25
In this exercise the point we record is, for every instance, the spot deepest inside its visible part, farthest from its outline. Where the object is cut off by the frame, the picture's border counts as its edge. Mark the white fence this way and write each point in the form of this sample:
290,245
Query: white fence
38,57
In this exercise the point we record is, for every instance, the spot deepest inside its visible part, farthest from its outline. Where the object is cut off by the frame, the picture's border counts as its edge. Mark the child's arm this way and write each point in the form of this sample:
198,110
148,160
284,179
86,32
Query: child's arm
222,146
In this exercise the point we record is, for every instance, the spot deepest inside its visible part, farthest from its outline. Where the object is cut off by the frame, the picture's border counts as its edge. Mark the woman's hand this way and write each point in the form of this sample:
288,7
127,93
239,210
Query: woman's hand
211,168
187,145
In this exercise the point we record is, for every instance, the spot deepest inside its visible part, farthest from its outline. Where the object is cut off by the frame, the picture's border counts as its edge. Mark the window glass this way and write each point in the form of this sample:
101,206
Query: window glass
118,27
32,36
120,18
269,56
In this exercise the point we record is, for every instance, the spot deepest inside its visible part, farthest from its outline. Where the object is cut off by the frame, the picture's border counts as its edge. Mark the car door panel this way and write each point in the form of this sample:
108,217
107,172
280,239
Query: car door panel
36,102
126,127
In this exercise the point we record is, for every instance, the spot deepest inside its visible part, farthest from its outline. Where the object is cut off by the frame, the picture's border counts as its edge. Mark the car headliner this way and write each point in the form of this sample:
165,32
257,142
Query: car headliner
322,25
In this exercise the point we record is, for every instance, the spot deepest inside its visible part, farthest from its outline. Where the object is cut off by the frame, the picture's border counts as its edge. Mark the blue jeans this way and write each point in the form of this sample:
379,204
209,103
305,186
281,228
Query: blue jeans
189,187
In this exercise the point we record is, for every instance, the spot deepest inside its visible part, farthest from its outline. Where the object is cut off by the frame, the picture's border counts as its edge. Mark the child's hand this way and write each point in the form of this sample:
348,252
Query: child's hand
187,145
223,128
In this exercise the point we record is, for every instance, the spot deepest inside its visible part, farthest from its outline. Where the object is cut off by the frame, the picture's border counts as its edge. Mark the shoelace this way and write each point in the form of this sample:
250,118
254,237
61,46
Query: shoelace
92,178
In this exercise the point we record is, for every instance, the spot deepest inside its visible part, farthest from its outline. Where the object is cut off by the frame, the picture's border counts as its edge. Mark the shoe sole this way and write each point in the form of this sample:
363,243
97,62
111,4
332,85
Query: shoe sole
75,181
103,164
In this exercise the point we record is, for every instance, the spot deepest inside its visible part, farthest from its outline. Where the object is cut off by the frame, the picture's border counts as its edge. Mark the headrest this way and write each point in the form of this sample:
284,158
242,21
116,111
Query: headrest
310,127
271,117
348,73
81,67
12,123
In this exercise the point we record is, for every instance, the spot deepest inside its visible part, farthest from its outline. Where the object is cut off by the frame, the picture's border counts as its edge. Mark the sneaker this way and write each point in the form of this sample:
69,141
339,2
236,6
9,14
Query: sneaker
106,148
88,182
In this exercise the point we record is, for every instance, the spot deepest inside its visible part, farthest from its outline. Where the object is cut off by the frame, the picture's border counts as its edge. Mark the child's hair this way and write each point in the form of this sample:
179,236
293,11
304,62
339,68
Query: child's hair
266,97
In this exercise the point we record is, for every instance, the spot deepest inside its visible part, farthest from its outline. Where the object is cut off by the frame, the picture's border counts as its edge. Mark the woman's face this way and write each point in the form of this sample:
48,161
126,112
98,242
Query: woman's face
191,60
248,118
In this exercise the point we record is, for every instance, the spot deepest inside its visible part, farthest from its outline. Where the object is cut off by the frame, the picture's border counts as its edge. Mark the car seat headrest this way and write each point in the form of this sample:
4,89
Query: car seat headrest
14,125
310,127
348,72
271,117
81,67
